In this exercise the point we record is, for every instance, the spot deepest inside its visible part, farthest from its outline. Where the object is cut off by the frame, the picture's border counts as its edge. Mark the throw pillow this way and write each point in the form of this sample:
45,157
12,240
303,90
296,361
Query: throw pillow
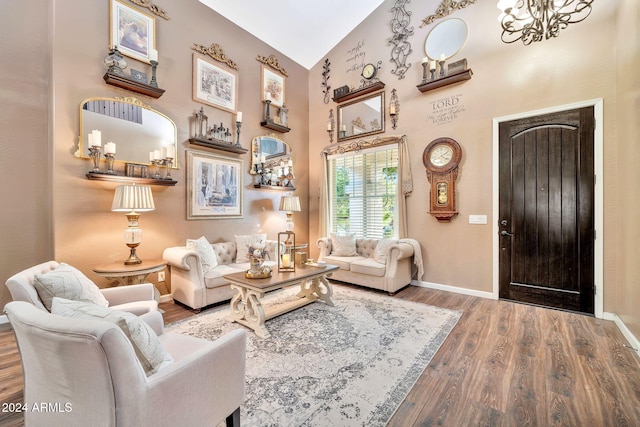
343,244
65,281
382,250
208,256
149,350
246,241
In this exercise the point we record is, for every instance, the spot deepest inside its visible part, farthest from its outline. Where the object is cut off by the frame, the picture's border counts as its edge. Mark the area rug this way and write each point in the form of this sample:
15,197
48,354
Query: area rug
347,365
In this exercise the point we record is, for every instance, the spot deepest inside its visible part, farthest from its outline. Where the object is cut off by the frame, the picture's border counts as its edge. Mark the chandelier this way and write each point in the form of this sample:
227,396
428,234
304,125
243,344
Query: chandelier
531,20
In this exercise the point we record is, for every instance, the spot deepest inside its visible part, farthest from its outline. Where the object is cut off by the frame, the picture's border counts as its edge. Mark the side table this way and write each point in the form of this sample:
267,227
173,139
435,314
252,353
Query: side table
131,274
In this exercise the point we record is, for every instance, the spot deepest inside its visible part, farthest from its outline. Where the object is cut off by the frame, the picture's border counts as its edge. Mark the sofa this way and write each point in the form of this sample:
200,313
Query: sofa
384,264
195,286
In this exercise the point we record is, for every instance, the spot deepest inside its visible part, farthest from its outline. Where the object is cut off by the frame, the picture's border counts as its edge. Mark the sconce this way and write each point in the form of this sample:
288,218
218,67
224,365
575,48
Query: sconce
394,108
331,123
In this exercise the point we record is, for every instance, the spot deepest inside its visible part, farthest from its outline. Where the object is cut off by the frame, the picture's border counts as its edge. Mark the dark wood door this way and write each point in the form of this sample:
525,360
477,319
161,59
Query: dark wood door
546,210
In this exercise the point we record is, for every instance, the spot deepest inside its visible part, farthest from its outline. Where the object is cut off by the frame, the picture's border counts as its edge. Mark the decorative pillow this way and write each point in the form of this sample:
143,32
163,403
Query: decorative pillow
68,282
208,256
382,250
343,244
149,350
246,241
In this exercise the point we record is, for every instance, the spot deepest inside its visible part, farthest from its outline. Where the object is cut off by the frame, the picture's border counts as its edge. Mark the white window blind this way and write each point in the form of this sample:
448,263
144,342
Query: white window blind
362,192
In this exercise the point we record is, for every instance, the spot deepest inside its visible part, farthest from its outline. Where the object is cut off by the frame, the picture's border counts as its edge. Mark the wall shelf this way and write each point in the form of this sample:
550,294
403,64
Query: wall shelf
445,81
269,124
273,187
218,145
97,176
132,85
359,92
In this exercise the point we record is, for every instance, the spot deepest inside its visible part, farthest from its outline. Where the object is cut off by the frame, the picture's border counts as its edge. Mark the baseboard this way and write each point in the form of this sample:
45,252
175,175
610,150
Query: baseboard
166,298
633,341
4,319
455,289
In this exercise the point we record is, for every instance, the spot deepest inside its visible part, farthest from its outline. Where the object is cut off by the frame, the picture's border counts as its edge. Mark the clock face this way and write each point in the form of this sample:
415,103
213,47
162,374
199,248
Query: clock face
441,155
369,71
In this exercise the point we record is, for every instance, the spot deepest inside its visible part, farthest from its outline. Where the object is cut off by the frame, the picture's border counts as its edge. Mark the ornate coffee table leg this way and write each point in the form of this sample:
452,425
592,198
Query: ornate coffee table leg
317,288
247,310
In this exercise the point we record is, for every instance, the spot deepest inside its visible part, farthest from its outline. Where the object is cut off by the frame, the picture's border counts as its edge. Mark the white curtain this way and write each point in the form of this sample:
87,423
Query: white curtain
405,186
324,213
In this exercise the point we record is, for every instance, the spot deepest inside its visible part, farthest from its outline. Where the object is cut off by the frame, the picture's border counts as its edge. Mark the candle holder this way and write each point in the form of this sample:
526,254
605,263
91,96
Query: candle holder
441,62
286,255
433,74
238,126
110,158
156,172
425,68
331,125
168,162
394,108
94,153
267,114
154,66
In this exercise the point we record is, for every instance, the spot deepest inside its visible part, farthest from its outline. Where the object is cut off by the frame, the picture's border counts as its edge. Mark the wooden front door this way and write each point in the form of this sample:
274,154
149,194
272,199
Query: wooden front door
546,210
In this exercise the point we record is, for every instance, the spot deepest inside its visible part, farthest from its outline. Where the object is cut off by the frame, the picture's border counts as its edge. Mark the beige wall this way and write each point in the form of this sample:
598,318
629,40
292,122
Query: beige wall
25,166
628,173
507,79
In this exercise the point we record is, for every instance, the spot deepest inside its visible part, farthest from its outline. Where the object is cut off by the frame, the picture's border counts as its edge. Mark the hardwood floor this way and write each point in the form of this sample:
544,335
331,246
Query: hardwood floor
504,364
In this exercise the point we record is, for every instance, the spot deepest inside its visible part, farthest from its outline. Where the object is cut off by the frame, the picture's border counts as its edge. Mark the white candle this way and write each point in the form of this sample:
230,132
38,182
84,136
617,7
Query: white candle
442,57
392,109
171,152
329,126
163,153
153,55
267,96
432,65
151,156
263,159
239,117
110,148
290,163
286,260
425,59
157,155
97,138
344,128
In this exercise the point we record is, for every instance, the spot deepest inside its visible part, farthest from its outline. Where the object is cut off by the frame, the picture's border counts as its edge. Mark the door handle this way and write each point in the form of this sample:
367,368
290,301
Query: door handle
506,233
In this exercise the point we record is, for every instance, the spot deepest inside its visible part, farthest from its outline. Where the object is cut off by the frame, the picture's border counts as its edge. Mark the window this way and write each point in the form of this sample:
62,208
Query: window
363,192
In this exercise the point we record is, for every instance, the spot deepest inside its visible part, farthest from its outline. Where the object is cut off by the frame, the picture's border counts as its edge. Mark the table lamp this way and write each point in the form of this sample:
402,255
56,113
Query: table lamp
133,199
290,204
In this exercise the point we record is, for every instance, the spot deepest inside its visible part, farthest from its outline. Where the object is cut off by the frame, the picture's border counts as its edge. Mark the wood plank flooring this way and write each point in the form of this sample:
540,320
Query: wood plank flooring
504,364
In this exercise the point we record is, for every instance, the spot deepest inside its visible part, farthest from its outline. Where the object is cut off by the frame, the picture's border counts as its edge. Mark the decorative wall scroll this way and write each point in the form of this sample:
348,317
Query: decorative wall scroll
215,52
401,31
272,62
152,7
325,77
214,186
447,7
133,32
213,85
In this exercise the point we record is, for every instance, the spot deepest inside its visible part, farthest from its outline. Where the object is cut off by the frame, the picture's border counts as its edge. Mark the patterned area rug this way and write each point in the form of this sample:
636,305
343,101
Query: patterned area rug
352,364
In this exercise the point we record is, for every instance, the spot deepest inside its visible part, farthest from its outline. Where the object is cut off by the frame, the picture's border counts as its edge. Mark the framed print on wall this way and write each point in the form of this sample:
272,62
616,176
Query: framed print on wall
133,32
272,84
213,85
214,186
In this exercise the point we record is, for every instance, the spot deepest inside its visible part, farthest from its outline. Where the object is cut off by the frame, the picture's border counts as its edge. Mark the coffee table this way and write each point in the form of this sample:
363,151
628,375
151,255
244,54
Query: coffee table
246,305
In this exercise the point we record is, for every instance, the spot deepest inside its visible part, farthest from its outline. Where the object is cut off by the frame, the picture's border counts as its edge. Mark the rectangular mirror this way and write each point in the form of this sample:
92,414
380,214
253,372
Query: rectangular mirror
361,117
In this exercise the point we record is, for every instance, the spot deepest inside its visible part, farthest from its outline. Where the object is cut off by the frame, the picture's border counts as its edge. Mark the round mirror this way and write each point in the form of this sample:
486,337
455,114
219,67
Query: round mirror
446,39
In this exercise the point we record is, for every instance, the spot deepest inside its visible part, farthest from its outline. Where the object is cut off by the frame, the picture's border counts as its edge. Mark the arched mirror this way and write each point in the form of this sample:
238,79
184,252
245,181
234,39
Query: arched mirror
135,128
446,39
361,117
272,162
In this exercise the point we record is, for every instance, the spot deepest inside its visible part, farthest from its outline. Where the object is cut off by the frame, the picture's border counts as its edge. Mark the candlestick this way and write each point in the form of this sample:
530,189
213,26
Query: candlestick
110,158
238,125
154,66
94,152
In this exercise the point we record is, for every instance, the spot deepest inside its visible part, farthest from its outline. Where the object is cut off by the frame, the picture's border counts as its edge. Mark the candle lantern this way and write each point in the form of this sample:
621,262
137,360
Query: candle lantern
202,124
286,251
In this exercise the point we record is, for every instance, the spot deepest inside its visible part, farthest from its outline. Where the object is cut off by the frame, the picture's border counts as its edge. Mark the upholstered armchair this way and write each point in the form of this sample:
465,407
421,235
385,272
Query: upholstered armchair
87,373
136,299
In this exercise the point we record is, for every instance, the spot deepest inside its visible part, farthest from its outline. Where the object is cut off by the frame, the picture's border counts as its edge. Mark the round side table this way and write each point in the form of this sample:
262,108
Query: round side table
131,274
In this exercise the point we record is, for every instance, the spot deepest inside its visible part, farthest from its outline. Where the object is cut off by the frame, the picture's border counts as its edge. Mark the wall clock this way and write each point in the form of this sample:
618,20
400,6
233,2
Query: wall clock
369,71
441,159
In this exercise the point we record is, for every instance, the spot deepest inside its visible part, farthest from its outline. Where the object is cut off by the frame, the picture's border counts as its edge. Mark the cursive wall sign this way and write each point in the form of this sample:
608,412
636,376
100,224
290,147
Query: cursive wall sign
355,57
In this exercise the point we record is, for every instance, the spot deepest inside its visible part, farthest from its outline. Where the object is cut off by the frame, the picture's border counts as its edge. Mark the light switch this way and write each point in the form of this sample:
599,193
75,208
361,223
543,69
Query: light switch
477,219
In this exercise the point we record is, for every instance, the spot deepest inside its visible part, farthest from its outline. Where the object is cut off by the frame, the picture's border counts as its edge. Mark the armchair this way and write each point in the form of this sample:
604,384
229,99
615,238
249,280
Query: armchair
90,371
136,299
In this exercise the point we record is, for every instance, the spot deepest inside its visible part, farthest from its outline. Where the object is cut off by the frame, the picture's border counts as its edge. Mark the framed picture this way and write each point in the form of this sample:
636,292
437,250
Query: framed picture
213,85
133,32
214,186
273,85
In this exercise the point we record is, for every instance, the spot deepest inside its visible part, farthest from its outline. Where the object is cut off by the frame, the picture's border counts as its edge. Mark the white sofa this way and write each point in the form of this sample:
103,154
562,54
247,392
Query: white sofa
365,268
196,289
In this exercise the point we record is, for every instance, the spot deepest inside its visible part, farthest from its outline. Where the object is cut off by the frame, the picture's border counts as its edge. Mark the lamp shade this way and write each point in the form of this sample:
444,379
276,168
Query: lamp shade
133,198
290,204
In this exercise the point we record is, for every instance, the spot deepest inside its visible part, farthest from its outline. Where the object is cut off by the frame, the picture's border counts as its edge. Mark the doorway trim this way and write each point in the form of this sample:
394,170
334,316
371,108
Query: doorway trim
598,147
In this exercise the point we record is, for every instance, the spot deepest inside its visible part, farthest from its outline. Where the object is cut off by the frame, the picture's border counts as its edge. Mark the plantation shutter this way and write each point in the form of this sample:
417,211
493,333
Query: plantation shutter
363,187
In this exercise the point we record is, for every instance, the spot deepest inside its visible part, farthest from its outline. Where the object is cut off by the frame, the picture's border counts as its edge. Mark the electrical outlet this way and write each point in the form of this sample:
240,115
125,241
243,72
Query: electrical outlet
161,276
477,219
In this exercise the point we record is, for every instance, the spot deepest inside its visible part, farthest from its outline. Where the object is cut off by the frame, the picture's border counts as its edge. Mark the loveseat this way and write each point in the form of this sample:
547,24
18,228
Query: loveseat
384,264
195,285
